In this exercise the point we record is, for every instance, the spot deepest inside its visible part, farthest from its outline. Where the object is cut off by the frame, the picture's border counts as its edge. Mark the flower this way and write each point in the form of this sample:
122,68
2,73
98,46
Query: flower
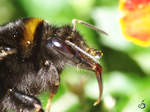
135,21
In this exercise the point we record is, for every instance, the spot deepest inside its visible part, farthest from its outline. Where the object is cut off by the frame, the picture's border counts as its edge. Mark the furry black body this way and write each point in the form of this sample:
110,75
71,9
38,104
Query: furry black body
31,69
32,57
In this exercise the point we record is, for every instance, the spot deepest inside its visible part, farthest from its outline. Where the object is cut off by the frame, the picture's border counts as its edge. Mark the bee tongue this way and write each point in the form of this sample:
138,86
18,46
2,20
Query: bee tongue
94,66
99,79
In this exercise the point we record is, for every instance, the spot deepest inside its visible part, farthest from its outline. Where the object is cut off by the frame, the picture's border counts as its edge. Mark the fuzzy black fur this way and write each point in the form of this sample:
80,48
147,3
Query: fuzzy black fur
33,69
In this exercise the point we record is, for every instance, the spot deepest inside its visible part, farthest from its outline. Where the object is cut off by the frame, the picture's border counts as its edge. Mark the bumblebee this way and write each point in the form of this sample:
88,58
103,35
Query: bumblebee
32,57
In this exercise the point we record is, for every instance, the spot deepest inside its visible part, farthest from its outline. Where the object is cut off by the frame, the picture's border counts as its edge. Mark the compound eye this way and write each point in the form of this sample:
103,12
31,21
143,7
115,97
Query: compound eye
57,43
60,46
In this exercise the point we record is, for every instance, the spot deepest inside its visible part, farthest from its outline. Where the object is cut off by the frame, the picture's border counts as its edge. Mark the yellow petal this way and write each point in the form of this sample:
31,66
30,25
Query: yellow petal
135,22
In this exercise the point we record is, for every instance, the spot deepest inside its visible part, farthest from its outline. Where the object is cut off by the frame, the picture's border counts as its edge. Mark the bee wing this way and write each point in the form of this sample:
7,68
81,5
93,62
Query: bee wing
5,51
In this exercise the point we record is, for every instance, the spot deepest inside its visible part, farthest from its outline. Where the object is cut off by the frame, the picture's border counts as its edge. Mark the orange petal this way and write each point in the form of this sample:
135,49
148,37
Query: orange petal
135,21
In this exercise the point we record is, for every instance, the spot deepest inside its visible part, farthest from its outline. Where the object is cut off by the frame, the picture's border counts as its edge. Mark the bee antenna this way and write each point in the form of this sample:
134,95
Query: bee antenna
74,21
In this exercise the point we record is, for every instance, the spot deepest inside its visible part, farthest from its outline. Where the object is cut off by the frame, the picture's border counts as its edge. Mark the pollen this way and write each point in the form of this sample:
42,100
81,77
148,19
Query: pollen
94,67
101,53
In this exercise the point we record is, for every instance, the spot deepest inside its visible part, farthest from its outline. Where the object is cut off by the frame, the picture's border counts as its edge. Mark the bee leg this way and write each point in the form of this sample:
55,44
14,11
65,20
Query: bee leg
52,94
26,100
54,83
